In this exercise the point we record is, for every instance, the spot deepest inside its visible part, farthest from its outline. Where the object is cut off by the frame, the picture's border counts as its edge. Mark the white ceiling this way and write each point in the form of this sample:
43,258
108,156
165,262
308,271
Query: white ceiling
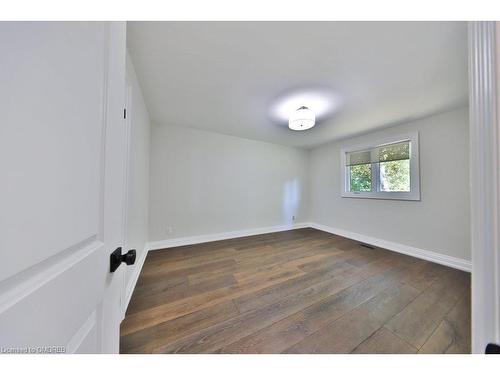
226,76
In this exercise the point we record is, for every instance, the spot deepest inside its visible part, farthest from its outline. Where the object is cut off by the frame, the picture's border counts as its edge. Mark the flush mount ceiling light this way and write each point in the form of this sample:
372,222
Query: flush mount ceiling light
321,101
302,119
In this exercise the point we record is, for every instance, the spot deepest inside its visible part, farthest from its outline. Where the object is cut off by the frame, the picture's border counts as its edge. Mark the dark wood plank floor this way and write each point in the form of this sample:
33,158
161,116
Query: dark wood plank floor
300,291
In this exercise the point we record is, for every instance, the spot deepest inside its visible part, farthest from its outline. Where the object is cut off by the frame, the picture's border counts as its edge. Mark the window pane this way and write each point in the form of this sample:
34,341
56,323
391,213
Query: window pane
360,177
395,175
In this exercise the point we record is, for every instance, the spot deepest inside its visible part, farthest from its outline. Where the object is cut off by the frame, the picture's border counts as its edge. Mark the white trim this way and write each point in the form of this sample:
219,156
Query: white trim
484,182
413,195
129,290
21,285
126,162
182,241
124,298
79,337
431,256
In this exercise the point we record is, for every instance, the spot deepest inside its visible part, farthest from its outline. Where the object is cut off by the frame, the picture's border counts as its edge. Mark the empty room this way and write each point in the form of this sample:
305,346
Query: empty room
300,200
249,187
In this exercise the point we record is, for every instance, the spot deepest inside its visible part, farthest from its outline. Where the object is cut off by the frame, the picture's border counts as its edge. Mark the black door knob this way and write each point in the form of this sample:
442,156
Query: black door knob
492,349
116,258
129,257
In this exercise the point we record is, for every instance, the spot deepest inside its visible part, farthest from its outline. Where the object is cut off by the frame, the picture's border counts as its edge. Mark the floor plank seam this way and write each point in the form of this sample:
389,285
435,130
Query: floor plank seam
383,325
345,313
439,323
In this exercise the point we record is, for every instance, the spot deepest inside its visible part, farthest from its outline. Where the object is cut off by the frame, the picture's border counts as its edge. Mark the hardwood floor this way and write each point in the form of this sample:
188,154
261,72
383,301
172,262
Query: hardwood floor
300,291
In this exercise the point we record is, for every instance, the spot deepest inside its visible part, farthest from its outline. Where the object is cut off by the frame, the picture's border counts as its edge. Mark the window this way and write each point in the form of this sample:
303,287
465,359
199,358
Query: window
387,169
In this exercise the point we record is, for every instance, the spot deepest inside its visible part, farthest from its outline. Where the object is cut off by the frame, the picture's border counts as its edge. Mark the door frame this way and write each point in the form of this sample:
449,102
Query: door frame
484,131
124,298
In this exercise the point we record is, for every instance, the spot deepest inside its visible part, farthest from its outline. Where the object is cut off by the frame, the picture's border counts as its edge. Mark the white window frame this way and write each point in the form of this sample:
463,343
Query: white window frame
412,195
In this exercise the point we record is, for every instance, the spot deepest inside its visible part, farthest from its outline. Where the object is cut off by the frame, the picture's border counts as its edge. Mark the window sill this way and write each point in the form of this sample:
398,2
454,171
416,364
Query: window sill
384,196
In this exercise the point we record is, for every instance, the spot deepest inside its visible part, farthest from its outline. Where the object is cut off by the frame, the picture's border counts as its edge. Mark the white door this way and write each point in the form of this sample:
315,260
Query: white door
62,89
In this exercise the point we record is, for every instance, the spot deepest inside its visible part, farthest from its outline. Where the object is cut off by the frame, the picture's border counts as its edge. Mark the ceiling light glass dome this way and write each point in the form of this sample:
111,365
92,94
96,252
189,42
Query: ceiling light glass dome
302,119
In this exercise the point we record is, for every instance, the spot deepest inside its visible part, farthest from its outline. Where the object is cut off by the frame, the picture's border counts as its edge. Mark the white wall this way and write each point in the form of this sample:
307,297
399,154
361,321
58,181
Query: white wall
138,174
207,183
440,222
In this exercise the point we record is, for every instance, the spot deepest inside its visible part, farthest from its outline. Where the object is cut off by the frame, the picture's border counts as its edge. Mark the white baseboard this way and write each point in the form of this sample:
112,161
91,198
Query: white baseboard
129,289
446,260
182,241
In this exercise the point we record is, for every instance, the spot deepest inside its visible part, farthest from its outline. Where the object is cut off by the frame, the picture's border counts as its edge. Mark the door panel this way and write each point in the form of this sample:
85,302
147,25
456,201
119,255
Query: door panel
51,135
35,318
61,149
